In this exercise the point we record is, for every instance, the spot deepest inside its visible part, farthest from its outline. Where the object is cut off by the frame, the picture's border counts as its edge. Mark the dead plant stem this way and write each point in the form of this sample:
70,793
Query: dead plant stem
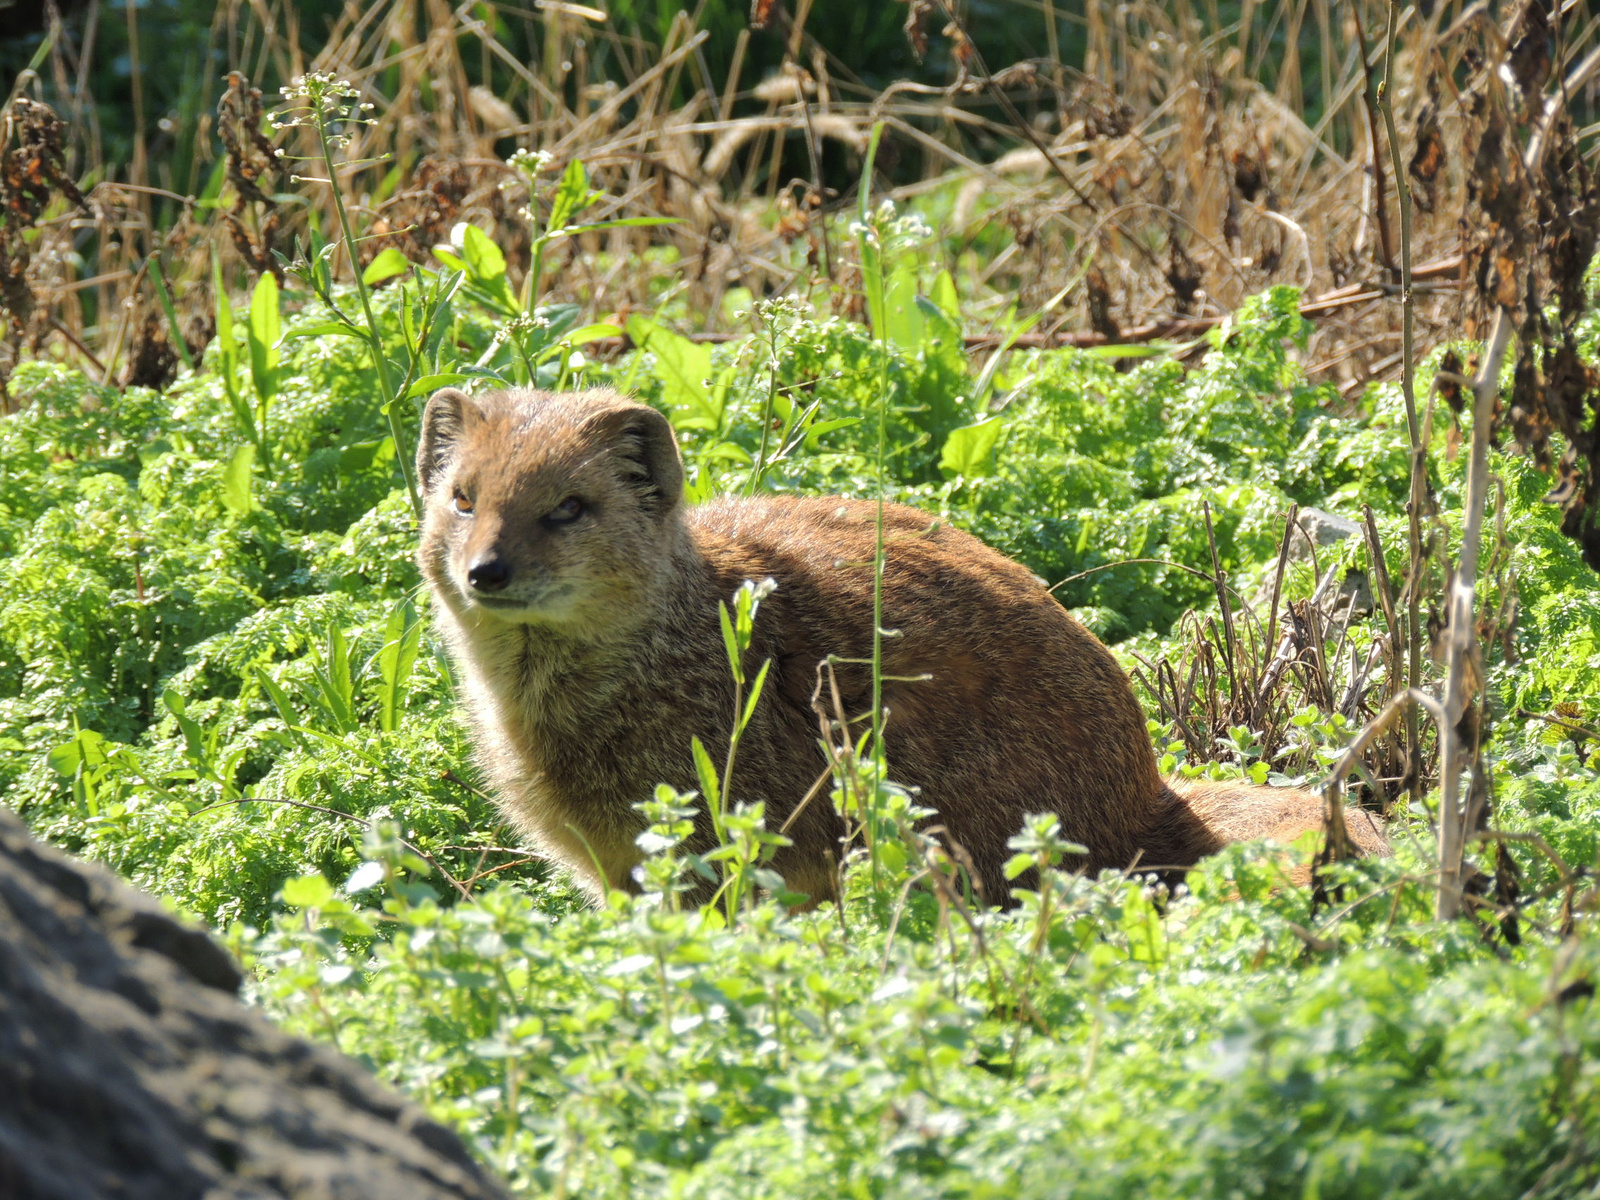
1463,672
1408,387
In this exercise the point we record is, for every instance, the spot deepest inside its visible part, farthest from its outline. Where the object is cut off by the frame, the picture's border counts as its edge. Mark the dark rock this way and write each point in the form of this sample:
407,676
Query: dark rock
130,1069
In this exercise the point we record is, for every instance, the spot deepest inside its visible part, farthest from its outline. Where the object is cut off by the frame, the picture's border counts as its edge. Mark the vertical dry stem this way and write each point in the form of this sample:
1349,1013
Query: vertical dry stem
1408,384
1462,676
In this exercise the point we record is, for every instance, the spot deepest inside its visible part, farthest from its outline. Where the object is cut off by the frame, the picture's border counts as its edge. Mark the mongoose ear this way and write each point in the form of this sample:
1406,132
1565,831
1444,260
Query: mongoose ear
647,453
449,414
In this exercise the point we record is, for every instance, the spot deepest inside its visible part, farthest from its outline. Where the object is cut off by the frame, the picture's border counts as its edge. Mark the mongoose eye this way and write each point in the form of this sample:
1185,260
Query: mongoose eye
462,504
568,510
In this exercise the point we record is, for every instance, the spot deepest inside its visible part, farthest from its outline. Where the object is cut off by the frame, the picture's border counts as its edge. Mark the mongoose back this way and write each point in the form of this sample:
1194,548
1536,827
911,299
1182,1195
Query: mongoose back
579,597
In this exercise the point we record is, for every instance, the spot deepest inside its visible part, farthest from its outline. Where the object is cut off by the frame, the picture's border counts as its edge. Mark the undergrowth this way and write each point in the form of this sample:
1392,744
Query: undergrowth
215,676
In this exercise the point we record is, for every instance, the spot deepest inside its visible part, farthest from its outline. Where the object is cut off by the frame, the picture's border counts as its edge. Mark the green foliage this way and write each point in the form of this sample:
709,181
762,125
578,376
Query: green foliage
218,680
1194,1051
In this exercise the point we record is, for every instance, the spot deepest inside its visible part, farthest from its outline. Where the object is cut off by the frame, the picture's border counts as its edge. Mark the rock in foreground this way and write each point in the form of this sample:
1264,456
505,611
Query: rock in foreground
129,1067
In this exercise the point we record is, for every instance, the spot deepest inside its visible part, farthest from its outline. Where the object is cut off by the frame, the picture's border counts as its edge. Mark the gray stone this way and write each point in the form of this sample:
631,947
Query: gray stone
129,1068
1323,528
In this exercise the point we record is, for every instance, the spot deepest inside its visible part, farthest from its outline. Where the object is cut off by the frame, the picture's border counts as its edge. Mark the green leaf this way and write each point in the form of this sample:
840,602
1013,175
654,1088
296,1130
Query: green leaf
228,353
308,891
618,223
359,457
968,450
236,477
214,182
325,329
706,770
730,642
683,368
432,383
755,695
939,326
335,687
194,741
572,195
174,334
592,333
1018,863
902,316
560,318
388,263
980,390
83,750
450,259
264,332
484,262
814,432
280,701
401,638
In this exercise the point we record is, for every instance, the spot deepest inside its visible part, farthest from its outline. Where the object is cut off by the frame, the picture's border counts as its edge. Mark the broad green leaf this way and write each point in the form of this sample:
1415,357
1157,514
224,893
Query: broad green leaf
1141,921
388,263
83,750
227,344
939,325
484,262
683,367
814,433
264,333
903,319
476,372
727,452
363,456
236,477
980,390
308,891
967,451
174,333
391,179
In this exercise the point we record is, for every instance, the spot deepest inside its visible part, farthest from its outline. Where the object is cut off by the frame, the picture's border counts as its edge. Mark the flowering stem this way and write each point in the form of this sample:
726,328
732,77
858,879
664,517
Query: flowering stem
374,339
766,408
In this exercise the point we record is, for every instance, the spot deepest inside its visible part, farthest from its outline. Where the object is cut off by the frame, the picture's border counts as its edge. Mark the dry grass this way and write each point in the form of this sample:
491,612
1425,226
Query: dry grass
1178,154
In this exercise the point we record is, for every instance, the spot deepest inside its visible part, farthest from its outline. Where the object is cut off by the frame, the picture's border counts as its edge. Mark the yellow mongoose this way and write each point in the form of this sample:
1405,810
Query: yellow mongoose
579,597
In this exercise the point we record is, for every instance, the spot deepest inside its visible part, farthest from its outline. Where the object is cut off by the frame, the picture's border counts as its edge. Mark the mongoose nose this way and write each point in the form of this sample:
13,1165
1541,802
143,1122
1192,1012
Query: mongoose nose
489,574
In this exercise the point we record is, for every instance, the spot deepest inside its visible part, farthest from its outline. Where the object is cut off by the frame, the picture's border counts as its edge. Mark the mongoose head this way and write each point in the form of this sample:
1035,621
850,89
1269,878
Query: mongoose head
546,508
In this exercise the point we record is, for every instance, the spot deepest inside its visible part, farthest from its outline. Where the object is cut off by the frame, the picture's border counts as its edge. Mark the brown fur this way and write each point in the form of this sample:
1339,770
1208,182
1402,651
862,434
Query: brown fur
586,676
